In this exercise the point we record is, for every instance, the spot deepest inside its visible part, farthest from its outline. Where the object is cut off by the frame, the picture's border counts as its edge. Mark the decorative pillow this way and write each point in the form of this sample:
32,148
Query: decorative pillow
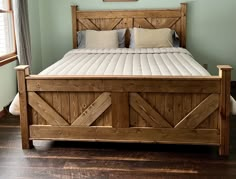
82,38
153,38
175,37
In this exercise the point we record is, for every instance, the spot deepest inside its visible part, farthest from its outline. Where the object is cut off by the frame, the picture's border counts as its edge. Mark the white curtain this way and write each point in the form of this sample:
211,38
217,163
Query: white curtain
21,18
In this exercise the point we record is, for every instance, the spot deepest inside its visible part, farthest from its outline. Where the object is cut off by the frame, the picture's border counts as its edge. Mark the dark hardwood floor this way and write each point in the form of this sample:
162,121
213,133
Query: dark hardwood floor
109,161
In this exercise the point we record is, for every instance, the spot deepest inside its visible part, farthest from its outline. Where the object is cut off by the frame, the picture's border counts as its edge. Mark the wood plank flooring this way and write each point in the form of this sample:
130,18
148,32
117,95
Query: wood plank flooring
69,160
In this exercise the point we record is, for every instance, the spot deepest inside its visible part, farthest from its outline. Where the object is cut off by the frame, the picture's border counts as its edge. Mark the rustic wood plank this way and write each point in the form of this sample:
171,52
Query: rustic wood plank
147,112
200,113
177,27
187,104
74,107
206,123
45,110
112,24
225,74
143,23
159,98
215,120
34,116
169,108
65,106
40,119
94,110
163,22
150,99
149,135
84,100
125,23
131,84
22,72
107,117
88,24
57,103
128,14
133,118
120,110
100,120
196,100
141,122
178,108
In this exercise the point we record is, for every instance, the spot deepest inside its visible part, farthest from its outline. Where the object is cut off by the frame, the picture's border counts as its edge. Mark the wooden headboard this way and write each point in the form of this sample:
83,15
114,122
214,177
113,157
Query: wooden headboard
119,19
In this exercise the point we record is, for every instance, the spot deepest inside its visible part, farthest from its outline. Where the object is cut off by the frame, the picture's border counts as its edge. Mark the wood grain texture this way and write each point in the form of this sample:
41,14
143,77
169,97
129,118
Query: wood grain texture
143,23
117,19
94,110
74,26
147,112
48,98
127,84
120,110
45,110
176,136
225,73
88,24
200,113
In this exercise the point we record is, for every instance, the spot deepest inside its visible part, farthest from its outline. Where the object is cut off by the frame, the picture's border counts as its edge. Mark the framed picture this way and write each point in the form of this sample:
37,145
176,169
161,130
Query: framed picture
119,0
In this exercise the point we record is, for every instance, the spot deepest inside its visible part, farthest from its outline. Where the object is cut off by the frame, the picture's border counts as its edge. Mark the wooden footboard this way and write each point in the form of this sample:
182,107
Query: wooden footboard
153,109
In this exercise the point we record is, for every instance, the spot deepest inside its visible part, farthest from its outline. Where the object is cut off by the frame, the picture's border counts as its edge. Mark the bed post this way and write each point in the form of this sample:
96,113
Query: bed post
225,74
183,24
74,25
22,72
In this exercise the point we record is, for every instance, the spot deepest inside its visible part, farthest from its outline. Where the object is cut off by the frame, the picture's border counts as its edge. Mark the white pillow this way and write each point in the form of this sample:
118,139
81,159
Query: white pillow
81,36
153,38
102,39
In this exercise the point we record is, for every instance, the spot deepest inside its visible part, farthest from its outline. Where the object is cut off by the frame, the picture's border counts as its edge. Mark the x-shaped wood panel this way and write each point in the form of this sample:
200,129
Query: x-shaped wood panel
89,24
145,110
191,121
101,104
160,23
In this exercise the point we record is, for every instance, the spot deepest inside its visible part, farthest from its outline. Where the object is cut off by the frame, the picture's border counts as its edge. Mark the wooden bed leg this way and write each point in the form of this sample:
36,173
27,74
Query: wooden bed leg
22,72
225,74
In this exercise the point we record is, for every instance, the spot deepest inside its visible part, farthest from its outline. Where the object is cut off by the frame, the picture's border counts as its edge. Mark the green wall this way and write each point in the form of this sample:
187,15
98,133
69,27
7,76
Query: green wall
35,32
8,84
210,29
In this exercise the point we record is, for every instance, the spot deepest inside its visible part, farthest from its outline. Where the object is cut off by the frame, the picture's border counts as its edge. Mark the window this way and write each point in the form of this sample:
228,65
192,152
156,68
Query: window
7,35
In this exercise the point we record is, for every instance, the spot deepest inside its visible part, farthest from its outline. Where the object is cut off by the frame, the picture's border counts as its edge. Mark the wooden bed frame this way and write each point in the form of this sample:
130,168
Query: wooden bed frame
148,109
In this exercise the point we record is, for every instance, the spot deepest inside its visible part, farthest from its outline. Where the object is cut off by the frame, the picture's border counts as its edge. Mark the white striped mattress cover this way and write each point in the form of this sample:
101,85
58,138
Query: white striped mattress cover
149,61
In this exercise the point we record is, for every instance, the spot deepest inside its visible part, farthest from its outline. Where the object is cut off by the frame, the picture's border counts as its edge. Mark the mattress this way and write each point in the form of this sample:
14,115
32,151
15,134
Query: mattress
149,61
156,61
